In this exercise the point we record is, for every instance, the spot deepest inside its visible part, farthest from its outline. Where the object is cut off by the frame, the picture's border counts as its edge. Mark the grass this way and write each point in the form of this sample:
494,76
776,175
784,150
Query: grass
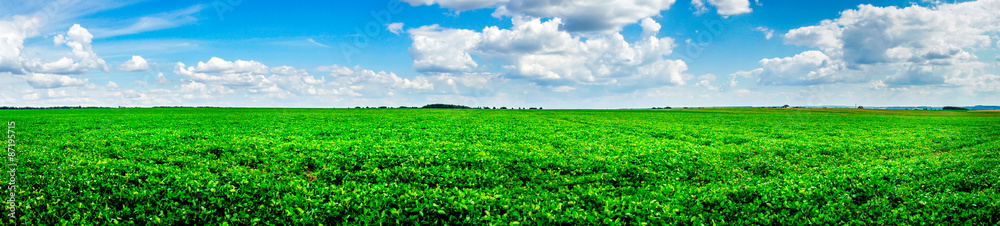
505,167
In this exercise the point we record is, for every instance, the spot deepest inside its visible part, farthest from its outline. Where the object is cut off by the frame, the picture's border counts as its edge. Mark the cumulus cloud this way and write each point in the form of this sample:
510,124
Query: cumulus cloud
724,7
230,73
768,33
45,75
649,27
914,45
196,90
395,28
336,70
542,53
12,35
706,82
48,81
877,85
369,83
160,79
578,16
699,6
253,77
982,83
874,35
731,7
587,15
807,68
81,59
435,49
296,81
14,31
137,63
458,5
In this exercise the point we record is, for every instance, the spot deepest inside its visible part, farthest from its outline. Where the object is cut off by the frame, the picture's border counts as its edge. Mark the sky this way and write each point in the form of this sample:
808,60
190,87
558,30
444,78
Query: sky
513,53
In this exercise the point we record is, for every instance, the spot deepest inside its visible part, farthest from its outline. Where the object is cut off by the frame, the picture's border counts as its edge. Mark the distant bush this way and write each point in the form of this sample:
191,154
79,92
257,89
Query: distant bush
446,106
950,108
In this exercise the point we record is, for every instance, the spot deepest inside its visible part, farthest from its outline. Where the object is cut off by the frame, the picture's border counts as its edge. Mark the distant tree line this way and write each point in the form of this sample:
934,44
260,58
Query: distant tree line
100,107
444,106
54,107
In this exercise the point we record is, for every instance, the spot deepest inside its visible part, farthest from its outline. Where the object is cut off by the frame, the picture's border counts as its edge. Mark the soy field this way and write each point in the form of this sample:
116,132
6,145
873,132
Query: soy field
249,166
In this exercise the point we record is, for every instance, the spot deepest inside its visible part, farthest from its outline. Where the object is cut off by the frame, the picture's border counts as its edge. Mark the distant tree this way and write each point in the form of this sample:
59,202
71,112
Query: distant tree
786,106
951,108
446,106
504,108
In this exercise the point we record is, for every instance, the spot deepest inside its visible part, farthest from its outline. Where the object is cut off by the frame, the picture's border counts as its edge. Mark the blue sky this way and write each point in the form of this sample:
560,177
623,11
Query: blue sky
515,53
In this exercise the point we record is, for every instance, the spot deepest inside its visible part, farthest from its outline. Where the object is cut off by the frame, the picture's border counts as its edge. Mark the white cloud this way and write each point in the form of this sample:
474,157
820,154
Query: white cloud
877,85
807,68
47,81
298,82
875,35
137,63
395,28
706,82
82,58
254,77
914,45
40,75
368,83
982,83
155,22
587,15
699,6
336,70
196,90
563,89
579,16
12,35
649,27
540,52
768,33
731,7
442,50
314,42
160,79
229,73
458,5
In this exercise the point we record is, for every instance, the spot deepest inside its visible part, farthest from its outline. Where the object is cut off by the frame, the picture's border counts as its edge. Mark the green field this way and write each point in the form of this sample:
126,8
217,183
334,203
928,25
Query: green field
171,166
